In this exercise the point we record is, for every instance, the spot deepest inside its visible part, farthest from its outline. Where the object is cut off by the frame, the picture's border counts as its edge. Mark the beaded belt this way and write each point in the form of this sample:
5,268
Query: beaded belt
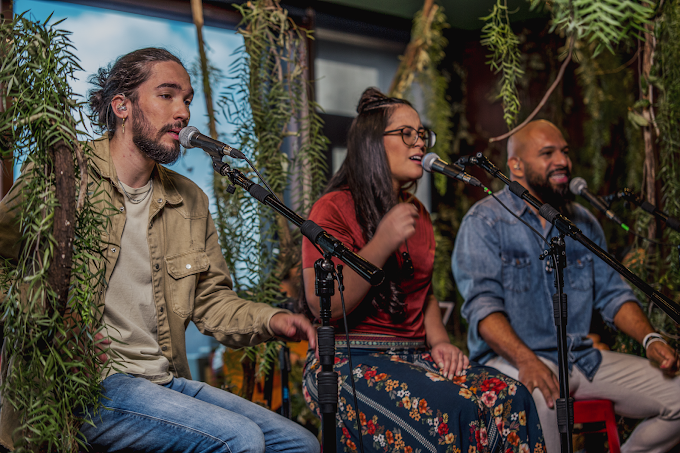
377,341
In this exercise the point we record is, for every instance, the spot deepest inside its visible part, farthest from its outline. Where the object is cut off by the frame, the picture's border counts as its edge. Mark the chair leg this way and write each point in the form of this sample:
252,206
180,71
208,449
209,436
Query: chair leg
612,431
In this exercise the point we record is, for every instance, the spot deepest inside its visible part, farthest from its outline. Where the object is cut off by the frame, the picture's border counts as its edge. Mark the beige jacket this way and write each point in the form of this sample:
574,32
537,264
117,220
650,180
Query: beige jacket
191,281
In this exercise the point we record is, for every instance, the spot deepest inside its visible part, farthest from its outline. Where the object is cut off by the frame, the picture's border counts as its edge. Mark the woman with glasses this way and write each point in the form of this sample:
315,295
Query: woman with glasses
416,391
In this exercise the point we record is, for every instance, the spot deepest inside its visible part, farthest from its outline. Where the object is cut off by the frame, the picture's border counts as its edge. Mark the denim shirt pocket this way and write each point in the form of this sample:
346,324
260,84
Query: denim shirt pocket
516,272
580,273
183,268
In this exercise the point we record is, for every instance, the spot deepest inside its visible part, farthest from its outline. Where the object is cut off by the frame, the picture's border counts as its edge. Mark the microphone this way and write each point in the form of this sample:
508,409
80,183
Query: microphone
432,163
190,137
579,186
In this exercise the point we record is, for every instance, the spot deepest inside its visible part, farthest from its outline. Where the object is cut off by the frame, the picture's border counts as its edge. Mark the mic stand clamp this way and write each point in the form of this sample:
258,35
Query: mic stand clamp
565,404
327,378
223,169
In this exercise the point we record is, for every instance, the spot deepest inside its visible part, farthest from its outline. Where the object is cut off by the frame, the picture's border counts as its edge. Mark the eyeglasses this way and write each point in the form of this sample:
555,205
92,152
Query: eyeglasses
410,136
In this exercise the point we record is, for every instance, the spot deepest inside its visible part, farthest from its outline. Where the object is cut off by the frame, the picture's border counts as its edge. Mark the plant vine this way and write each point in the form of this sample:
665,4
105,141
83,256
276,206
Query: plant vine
279,130
506,58
420,64
51,289
606,23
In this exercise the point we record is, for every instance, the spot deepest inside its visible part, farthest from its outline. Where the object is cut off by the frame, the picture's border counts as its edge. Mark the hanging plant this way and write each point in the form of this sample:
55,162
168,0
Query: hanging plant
50,281
606,23
420,65
278,128
506,59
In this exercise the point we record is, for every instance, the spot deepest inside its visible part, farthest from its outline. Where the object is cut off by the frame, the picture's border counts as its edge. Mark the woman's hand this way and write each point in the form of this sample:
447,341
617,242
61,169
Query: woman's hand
397,225
450,360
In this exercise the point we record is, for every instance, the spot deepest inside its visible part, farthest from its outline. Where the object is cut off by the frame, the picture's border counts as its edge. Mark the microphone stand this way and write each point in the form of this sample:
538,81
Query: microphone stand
629,196
565,412
327,378
324,286
565,403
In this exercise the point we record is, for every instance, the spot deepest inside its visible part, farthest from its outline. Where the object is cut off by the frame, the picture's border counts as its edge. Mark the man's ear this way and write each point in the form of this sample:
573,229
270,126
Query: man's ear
516,167
119,105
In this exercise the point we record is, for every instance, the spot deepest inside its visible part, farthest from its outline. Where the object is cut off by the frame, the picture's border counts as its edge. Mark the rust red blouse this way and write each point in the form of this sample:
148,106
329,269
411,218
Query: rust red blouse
335,213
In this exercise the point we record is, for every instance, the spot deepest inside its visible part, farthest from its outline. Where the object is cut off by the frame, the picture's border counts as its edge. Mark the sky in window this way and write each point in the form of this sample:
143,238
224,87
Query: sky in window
101,35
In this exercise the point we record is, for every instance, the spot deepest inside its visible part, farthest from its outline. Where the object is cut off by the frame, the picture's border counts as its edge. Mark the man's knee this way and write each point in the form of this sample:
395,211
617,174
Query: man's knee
308,443
671,399
249,439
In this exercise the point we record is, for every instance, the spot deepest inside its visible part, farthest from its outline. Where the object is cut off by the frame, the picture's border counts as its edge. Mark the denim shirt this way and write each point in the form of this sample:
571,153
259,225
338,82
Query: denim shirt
497,268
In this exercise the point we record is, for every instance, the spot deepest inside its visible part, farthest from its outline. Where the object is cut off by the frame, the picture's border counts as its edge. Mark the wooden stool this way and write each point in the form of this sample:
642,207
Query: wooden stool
592,411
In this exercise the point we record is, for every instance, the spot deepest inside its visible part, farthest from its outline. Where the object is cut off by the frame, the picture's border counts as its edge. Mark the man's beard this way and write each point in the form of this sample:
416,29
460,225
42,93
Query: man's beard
142,137
558,196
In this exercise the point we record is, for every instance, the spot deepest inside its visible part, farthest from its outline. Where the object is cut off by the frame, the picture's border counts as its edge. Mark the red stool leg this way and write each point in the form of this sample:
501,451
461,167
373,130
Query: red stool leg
590,411
612,429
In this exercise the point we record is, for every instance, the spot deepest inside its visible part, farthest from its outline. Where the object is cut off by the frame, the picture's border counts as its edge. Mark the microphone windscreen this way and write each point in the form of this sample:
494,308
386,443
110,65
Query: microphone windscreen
577,185
428,160
185,136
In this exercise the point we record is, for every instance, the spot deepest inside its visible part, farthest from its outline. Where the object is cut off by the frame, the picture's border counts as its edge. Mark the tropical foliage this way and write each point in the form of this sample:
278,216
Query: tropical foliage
606,23
54,283
498,36
660,263
420,65
268,100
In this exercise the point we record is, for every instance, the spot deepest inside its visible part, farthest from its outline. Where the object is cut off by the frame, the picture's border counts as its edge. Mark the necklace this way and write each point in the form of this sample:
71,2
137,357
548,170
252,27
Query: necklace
137,200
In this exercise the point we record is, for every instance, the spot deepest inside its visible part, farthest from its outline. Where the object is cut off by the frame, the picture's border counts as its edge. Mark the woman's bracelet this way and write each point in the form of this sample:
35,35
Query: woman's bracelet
651,338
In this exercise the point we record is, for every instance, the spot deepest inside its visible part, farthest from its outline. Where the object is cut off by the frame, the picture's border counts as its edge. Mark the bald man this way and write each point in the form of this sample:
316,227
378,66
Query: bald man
508,302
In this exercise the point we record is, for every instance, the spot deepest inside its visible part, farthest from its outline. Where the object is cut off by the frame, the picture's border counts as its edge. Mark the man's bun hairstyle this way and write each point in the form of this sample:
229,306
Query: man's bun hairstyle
123,77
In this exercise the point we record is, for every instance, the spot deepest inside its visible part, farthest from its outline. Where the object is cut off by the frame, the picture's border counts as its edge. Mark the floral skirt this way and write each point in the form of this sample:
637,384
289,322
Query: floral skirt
405,405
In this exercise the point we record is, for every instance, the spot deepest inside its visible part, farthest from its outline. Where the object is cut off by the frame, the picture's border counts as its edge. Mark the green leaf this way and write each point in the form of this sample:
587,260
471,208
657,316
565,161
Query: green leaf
637,119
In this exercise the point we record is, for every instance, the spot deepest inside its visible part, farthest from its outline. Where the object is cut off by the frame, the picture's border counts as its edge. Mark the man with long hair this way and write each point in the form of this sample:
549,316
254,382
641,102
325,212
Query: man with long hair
163,269
508,302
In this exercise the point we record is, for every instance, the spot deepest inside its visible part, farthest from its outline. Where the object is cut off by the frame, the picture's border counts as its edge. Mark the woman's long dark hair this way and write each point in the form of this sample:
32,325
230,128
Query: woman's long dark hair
366,173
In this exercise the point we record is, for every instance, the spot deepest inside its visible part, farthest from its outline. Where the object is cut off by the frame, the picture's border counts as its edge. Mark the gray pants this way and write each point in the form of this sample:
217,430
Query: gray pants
638,390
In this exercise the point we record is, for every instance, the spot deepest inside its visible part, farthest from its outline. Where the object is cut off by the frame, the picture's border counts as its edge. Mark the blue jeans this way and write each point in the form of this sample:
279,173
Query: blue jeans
188,416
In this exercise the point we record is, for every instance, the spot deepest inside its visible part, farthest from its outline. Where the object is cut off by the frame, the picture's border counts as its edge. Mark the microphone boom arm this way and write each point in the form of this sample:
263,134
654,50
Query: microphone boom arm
631,197
369,272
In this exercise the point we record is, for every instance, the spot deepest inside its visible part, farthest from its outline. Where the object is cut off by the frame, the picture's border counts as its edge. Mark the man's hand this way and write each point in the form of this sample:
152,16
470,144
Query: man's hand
293,327
102,345
450,360
665,356
535,374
